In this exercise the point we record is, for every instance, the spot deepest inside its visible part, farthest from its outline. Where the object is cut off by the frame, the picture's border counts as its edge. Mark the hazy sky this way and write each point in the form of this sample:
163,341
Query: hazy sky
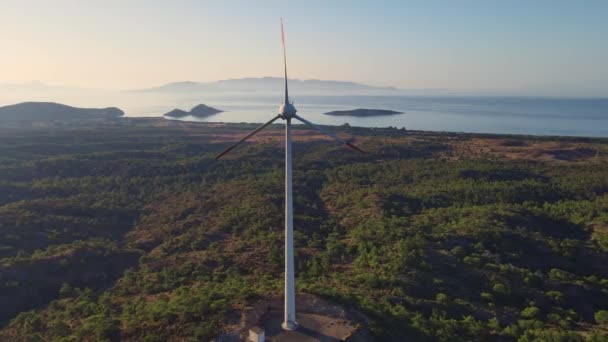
526,47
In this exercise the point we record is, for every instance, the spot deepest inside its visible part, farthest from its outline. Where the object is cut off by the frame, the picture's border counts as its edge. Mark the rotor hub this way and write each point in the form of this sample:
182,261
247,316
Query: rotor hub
287,110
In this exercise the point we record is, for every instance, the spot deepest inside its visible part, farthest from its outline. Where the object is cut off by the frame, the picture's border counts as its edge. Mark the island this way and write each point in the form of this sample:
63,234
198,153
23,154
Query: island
362,112
50,111
199,111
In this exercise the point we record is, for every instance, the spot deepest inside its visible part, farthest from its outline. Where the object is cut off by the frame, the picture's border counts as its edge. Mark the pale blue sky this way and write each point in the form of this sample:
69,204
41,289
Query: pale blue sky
515,47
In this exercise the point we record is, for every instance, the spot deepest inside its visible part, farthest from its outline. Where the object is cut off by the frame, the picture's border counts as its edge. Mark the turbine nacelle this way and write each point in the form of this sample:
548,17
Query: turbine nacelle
287,111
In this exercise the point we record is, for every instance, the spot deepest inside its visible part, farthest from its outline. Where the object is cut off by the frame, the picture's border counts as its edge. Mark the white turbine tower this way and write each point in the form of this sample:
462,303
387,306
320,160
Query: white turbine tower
287,112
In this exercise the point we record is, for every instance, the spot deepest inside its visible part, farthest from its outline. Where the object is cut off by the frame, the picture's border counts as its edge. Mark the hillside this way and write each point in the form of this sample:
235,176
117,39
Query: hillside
49,111
131,231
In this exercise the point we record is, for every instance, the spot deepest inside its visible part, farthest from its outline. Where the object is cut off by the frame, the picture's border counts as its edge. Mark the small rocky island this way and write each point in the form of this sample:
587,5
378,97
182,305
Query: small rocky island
362,112
199,111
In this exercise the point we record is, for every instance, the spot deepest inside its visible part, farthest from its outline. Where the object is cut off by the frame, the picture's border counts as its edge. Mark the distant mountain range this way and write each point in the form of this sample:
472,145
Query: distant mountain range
268,84
50,111
49,92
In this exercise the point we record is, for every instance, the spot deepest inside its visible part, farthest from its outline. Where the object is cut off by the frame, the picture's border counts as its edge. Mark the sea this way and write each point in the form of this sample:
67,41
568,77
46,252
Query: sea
502,115
585,117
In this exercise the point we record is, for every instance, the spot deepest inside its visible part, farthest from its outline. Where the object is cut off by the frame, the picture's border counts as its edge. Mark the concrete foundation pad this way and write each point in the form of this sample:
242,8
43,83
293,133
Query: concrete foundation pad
311,327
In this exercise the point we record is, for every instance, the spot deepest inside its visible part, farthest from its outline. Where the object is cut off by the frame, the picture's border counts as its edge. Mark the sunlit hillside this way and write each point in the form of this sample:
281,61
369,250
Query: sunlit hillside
130,230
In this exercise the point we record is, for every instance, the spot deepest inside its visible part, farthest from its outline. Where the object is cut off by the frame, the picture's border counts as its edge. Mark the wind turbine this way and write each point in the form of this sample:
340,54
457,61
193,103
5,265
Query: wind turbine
287,112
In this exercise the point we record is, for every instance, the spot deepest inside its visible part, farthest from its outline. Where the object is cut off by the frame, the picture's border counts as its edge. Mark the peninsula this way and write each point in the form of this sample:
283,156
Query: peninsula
50,111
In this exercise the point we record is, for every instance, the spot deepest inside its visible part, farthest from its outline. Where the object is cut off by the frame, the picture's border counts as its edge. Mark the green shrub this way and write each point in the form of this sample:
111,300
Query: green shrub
601,316
529,312
486,296
501,289
441,298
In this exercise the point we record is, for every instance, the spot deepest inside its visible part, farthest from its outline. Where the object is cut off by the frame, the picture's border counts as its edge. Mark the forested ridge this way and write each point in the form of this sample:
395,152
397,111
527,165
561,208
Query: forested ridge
131,230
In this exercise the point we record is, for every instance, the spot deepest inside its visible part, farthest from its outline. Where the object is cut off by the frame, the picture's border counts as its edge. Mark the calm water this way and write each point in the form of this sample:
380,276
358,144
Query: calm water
516,115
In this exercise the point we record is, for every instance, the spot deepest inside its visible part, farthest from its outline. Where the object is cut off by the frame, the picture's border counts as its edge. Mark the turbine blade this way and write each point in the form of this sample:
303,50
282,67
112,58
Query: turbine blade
284,61
329,134
252,133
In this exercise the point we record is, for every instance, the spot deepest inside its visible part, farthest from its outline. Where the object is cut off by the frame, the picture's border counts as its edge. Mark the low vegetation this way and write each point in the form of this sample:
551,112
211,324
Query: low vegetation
132,231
